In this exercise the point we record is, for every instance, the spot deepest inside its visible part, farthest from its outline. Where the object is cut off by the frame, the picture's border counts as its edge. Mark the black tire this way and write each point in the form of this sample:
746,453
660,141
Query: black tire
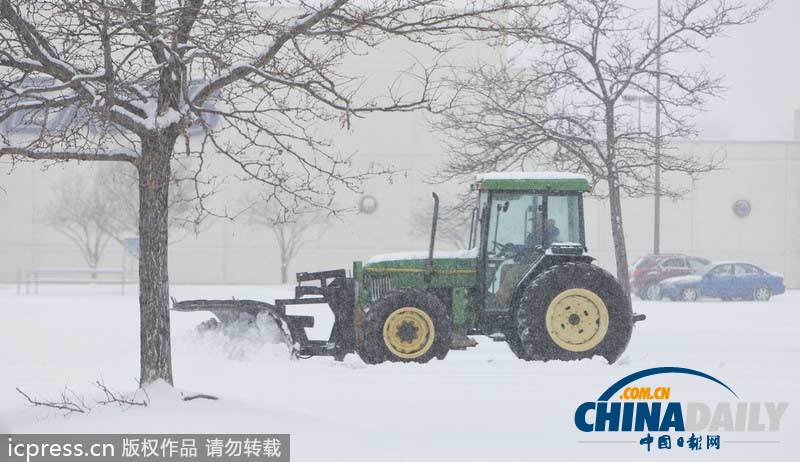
690,294
516,347
652,292
531,312
374,350
762,294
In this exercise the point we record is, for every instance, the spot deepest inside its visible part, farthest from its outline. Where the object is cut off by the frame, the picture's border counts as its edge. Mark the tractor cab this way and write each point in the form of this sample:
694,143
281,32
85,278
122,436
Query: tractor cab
519,218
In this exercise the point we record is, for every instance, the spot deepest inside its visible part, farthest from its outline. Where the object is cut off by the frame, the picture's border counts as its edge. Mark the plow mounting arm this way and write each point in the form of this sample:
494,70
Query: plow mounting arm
333,288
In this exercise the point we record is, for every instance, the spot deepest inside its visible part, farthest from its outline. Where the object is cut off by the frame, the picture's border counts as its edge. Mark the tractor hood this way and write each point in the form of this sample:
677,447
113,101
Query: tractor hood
450,268
423,255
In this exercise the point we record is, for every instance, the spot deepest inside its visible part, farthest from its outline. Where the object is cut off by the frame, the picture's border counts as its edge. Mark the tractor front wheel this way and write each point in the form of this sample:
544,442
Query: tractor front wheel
407,325
573,311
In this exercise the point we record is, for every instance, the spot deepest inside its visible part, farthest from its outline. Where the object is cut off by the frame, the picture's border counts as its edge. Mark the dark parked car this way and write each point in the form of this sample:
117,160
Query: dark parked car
725,280
650,270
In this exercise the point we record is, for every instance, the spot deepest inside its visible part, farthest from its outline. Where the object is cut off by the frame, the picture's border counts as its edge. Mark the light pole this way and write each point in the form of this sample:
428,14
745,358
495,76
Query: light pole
657,195
639,99
657,159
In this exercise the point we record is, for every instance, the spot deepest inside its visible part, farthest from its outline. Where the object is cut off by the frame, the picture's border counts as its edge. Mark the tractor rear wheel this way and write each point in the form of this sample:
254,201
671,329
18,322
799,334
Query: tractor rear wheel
516,347
408,325
573,311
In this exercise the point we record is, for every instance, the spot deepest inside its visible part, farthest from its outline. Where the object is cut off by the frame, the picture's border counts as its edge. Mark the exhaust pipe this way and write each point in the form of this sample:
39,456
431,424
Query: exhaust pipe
429,272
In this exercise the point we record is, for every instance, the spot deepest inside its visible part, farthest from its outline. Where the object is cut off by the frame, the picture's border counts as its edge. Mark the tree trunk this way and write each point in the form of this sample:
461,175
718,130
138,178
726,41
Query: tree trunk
618,234
284,272
154,173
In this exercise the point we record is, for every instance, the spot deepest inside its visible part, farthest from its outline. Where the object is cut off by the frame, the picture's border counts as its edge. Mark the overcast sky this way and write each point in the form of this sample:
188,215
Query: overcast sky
761,66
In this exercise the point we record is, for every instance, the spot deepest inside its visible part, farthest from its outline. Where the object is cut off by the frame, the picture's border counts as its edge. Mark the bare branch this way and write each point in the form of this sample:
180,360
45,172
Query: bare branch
68,402
561,104
112,397
67,155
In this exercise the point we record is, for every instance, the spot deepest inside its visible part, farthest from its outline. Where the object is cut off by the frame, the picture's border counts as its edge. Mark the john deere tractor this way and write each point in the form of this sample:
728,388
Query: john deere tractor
526,279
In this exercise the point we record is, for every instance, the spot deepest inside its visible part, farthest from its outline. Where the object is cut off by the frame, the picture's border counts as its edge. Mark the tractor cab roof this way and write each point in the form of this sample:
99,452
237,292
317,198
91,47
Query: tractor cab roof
531,181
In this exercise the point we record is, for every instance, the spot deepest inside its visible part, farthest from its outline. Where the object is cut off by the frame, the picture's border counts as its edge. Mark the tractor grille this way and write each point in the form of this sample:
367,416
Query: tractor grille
377,286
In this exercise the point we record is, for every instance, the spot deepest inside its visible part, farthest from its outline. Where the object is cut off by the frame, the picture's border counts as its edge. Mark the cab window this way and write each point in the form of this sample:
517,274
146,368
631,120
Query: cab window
563,219
516,220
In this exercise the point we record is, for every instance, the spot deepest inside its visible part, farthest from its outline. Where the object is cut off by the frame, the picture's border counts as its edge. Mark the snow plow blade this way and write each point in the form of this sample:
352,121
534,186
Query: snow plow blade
232,311
334,290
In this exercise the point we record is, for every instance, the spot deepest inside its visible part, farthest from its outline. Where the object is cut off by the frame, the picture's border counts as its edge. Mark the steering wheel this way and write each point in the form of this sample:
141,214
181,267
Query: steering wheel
505,249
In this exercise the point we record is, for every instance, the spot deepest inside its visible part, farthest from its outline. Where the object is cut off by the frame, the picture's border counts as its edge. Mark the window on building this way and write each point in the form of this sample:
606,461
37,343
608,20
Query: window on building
32,121
56,119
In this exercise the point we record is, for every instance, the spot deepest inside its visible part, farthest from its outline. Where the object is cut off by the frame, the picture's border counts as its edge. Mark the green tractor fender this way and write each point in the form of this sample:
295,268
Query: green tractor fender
544,262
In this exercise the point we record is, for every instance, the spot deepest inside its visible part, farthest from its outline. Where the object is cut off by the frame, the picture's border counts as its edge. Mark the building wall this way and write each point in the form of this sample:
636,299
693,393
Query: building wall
702,223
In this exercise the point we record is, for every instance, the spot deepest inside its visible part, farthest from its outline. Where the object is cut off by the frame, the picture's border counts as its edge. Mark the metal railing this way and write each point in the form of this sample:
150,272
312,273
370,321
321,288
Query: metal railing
99,276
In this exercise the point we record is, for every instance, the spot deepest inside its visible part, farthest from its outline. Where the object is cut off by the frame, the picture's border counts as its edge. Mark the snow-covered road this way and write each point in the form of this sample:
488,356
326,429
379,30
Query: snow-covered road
481,404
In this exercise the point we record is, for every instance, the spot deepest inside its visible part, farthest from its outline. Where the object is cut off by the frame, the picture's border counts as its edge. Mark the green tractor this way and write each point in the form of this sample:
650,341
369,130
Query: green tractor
526,280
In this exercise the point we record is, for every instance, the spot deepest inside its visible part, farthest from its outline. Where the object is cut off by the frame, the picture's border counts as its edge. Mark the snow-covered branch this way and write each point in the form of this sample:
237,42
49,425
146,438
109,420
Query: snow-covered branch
268,52
68,155
200,82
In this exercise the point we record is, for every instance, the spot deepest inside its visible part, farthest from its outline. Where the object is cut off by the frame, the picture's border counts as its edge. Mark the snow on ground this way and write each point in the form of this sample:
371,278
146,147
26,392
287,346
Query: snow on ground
481,404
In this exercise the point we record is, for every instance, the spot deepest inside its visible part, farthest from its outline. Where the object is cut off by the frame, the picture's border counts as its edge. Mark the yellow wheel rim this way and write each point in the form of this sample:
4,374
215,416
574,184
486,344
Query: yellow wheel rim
408,332
577,320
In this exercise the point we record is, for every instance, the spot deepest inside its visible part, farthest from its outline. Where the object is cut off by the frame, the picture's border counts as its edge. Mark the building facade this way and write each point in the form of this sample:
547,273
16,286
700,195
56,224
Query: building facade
759,178
747,210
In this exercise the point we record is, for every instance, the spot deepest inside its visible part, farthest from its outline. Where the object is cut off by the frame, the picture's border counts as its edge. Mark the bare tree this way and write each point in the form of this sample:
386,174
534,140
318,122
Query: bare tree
78,213
292,230
92,208
117,186
559,102
136,81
